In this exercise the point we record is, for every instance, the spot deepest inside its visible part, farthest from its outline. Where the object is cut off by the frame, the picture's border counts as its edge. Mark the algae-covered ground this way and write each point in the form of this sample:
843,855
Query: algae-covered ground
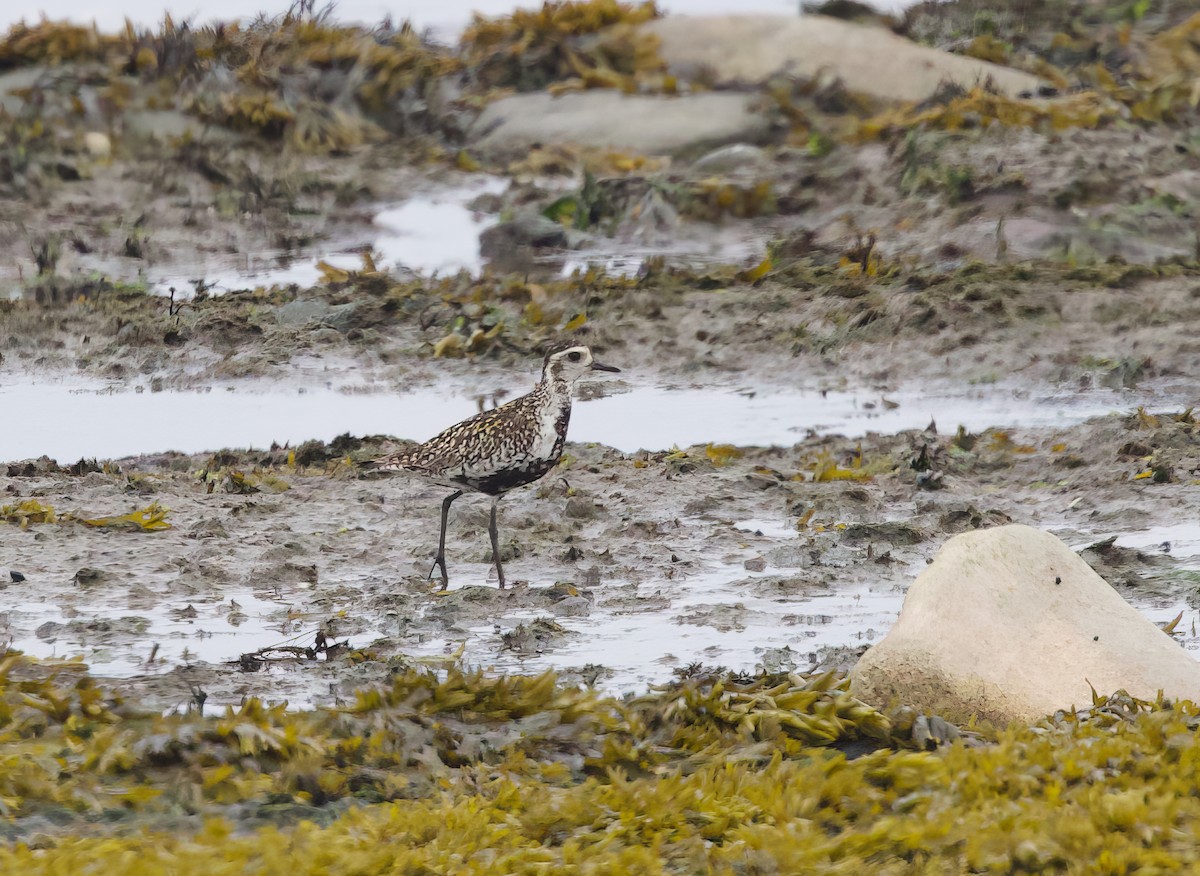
445,772
275,686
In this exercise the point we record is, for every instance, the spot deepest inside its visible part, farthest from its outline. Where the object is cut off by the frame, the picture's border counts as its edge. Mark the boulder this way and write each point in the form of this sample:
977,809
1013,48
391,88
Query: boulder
1010,624
646,125
871,60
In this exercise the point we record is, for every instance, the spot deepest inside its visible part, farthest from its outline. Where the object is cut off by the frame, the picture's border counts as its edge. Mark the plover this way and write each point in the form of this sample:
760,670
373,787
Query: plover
501,449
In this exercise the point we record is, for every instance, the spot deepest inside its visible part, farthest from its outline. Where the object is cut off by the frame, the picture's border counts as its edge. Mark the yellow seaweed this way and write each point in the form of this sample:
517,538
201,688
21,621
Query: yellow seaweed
453,771
534,48
27,511
152,518
722,454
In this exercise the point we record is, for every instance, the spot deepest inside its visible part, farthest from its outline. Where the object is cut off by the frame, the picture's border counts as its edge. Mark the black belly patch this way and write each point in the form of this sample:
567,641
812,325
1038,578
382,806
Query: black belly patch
508,479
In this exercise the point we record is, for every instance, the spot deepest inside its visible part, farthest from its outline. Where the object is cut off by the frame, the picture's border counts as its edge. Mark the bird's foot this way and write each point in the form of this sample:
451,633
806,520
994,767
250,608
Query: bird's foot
440,563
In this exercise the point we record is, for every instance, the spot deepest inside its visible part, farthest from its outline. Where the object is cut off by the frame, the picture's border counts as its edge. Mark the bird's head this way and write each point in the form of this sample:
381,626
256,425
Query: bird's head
571,363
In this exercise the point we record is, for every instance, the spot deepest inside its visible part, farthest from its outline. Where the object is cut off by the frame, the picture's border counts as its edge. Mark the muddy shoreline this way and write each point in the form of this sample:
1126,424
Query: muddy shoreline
714,555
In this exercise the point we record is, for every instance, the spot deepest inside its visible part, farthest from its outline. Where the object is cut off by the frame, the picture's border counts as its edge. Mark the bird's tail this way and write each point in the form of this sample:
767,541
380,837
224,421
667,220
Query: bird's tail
382,465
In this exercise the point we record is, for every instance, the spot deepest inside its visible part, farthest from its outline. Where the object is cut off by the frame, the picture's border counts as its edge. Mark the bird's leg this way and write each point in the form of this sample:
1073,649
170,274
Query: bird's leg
496,542
439,562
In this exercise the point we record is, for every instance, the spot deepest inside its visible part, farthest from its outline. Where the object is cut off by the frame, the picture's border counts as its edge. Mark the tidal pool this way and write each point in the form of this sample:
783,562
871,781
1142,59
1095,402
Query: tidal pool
431,233
68,421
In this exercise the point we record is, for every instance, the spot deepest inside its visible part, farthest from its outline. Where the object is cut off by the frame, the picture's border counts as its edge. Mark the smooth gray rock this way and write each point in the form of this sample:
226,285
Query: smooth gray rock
870,60
646,125
312,312
162,124
1011,625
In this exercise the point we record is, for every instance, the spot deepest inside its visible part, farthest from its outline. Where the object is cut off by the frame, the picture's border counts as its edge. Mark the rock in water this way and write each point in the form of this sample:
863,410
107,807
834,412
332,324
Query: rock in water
1010,624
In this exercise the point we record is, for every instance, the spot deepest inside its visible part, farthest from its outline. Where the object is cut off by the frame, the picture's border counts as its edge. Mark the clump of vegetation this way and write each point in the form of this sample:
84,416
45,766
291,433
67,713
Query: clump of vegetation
397,742
981,107
299,78
1104,62
605,202
447,770
1021,23
715,199
531,49
323,87
36,141
54,42
306,81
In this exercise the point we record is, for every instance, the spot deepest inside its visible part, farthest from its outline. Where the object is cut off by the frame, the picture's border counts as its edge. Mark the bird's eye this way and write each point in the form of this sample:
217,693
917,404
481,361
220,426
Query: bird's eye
575,355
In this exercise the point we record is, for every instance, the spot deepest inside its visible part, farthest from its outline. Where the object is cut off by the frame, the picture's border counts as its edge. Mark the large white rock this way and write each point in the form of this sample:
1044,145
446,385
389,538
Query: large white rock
609,119
870,60
1010,624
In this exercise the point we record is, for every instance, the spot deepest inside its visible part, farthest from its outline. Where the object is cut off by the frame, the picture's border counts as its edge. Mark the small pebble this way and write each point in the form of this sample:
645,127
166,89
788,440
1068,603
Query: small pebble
98,144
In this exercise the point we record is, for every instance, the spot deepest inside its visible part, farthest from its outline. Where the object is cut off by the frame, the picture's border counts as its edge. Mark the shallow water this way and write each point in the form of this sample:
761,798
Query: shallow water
430,233
119,422
709,615
1179,540
1186,632
713,617
643,648
220,630
437,233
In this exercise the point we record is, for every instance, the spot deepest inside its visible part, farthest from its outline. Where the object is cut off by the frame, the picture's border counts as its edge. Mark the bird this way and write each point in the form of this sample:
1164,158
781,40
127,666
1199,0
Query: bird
499,450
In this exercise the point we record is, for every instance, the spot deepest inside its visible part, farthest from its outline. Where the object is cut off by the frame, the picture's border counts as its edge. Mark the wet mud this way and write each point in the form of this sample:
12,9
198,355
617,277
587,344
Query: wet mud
627,566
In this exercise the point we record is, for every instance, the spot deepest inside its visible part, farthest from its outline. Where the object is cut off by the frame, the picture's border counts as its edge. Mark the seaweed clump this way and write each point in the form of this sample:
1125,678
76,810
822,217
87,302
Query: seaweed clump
579,43
402,741
455,771
53,43
324,88
1107,64
299,78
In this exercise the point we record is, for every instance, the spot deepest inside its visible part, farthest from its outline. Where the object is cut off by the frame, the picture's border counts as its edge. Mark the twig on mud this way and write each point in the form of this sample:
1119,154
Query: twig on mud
254,661
173,308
